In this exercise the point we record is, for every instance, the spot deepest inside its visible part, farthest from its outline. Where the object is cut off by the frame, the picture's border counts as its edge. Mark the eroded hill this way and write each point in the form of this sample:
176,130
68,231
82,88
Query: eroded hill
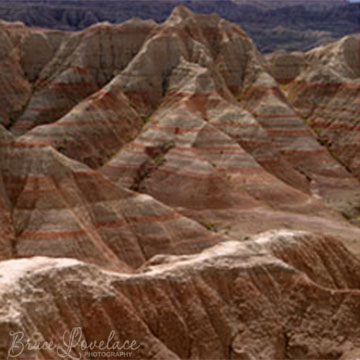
202,213
273,24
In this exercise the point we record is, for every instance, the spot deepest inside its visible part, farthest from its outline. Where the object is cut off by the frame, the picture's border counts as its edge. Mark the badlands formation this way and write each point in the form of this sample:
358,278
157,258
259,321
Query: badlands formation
169,183
323,87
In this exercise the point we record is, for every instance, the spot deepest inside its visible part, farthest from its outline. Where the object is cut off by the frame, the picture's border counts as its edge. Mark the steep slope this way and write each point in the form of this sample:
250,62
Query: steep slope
279,295
184,158
24,53
15,90
62,208
213,62
326,94
83,63
296,142
7,234
106,114
221,144
140,165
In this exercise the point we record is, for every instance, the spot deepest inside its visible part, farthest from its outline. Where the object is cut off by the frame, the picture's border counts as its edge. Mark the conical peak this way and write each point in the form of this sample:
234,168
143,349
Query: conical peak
180,12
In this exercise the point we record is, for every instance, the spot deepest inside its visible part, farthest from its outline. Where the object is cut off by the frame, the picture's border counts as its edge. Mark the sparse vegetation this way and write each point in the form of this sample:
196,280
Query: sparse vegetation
241,97
159,159
283,88
210,226
61,148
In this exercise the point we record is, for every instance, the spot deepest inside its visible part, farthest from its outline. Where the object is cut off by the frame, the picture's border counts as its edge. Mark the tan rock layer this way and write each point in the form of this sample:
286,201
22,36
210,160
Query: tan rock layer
280,295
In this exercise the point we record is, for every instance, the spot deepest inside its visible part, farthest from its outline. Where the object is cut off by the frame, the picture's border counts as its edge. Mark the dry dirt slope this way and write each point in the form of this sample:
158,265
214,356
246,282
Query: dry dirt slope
324,89
153,155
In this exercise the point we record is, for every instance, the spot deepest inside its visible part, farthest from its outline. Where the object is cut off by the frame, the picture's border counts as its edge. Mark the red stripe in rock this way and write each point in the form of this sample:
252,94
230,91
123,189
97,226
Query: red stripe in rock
28,234
327,107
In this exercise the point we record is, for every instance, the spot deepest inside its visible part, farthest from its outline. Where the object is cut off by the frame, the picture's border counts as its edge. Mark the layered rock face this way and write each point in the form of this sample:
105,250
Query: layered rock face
157,180
74,67
324,89
280,295
327,96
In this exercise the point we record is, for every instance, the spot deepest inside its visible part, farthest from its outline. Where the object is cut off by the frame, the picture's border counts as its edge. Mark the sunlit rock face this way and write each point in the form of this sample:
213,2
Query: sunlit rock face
324,87
326,94
270,297
167,182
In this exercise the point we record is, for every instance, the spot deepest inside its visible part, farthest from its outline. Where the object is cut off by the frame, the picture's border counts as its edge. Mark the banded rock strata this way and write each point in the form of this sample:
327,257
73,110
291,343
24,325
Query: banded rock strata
152,155
323,86
280,295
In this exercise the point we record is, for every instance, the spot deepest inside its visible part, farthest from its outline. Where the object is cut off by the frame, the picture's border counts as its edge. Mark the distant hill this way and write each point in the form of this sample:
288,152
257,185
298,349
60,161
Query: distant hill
168,186
309,4
274,25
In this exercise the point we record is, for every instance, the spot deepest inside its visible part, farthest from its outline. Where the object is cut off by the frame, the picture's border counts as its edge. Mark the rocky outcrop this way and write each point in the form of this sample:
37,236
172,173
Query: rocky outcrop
199,88
7,234
184,146
106,114
82,64
213,89
174,193
281,295
220,143
326,94
15,90
62,208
